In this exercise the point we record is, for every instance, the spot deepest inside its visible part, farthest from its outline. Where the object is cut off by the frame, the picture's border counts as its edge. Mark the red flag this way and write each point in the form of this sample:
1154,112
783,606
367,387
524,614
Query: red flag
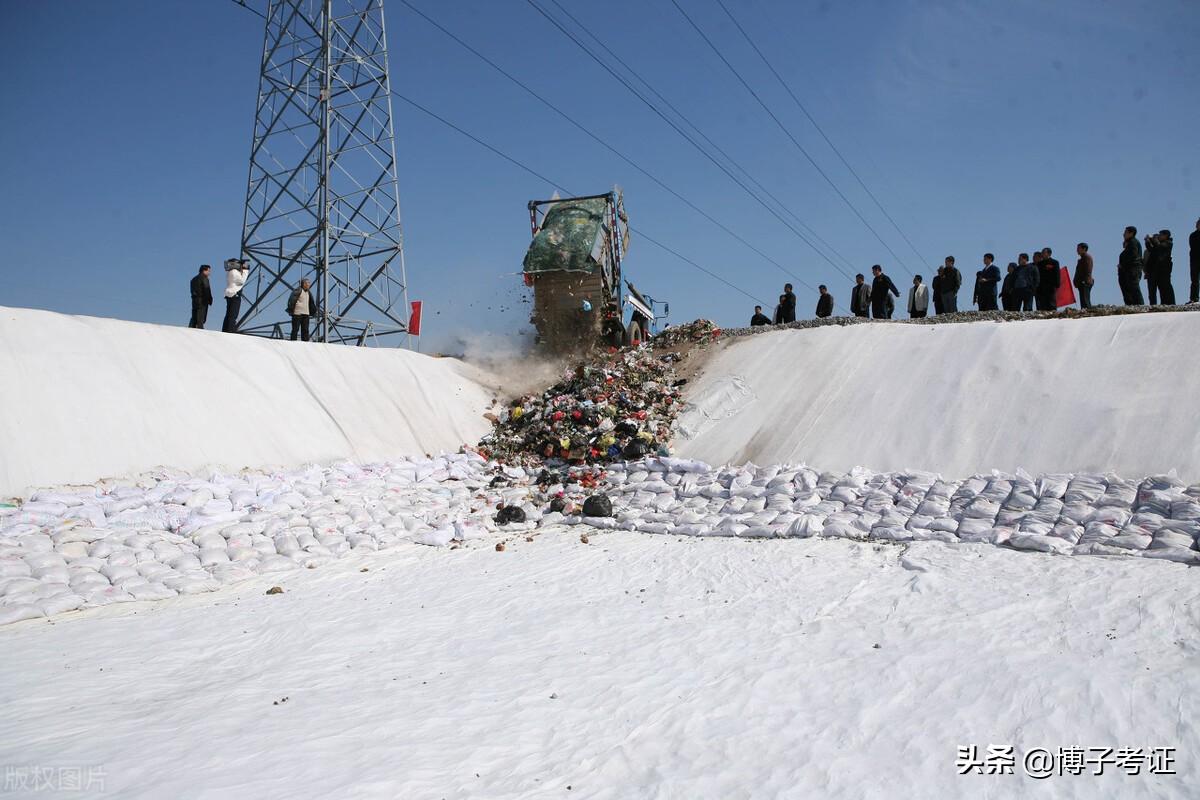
414,319
1066,292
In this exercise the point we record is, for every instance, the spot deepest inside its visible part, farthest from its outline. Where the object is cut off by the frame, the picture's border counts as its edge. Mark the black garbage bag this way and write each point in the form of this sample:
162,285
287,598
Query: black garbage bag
558,504
507,514
633,451
597,505
625,428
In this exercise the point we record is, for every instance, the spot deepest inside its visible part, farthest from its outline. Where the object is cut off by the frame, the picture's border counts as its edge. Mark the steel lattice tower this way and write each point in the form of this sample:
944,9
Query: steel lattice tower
322,200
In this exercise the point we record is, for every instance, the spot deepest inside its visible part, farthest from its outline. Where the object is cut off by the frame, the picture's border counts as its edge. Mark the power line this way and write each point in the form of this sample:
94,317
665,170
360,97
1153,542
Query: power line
603,143
820,130
564,189
788,133
549,181
587,31
687,137
254,11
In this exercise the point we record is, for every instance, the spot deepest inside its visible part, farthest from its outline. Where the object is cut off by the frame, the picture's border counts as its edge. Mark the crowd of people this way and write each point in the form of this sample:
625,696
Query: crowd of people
1029,283
301,305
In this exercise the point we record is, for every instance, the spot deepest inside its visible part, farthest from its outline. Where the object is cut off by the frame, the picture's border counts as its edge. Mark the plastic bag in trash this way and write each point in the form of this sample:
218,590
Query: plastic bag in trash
597,505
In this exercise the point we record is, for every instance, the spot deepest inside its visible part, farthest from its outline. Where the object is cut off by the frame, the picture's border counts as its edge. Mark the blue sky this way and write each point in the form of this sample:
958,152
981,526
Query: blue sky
980,126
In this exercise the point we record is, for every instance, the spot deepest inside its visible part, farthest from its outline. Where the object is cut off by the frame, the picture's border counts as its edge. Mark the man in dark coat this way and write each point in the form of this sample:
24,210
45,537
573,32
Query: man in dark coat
1150,270
951,281
1025,283
1129,268
1194,258
787,306
201,297
824,302
1158,268
987,281
1008,293
1083,275
759,318
860,297
935,288
881,285
1049,278
1165,245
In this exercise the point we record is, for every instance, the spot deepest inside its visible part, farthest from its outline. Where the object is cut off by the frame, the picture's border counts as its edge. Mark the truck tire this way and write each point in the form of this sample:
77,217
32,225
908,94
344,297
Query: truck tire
635,335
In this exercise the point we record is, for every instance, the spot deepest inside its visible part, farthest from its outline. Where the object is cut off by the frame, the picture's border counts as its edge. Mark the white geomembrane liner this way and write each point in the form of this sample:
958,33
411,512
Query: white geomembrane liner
1068,395
84,398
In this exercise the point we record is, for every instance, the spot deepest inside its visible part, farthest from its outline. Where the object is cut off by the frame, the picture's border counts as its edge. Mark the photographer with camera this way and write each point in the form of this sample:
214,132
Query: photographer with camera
235,278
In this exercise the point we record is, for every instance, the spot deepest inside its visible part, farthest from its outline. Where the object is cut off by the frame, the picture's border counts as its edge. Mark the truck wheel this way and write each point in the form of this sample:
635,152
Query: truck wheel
635,334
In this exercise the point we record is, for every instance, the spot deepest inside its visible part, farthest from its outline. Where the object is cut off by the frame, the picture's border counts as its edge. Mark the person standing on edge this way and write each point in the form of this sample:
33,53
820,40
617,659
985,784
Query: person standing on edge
880,286
301,306
936,290
1007,292
1049,279
1165,287
1150,270
787,306
951,281
235,278
201,297
1158,268
1129,268
1037,291
987,281
1083,275
759,318
860,297
1025,283
1194,259
824,302
918,299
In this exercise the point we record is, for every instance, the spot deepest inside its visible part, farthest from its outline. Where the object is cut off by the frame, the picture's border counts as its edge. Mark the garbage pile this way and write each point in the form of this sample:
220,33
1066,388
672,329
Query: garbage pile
701,331
619,406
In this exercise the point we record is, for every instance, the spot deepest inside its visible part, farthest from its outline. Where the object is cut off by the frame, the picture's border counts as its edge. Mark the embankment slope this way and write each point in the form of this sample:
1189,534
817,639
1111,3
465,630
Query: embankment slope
83,398
1101,394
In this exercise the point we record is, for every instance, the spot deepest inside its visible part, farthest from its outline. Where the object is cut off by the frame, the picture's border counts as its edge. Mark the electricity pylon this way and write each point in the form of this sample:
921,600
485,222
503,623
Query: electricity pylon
322,200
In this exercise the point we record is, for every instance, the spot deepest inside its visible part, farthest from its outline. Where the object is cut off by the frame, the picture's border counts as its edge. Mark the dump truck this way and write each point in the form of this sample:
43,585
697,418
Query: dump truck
574,265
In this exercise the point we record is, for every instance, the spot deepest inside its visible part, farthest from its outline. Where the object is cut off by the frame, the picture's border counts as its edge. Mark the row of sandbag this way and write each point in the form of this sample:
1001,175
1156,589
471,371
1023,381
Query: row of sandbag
1063,513
169,533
